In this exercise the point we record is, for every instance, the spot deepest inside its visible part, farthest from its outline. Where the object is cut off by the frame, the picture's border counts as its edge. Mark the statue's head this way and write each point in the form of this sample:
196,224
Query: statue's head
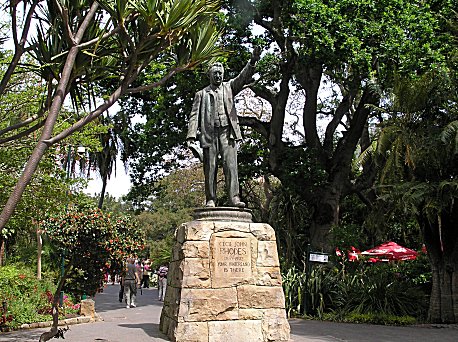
216,73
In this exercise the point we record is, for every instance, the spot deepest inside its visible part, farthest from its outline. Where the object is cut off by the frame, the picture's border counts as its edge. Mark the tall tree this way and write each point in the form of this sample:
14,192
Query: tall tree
342,56
105,159
338,59
418,152
80,43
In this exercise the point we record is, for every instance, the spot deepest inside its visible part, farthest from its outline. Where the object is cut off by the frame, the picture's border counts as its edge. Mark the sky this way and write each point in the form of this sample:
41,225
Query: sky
117,186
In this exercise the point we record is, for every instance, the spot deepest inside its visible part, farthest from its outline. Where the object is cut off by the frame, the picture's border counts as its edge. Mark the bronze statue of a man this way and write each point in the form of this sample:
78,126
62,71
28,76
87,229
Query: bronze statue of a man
214,116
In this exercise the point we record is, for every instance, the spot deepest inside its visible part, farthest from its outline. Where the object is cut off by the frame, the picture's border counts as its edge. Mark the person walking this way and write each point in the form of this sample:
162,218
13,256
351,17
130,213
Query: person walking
130,280
162,281
146,274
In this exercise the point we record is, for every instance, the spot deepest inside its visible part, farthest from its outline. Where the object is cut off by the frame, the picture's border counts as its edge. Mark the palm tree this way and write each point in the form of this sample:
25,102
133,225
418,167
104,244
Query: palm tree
79,44
112,40
419,165
105,159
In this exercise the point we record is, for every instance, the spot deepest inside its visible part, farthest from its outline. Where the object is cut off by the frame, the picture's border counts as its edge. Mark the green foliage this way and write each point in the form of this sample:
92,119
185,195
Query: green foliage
47,192
24,294
289,217
363,228
294,283
161,251
380,288
398,33
88,239
309,293
148,145
377,292
175,197
378,318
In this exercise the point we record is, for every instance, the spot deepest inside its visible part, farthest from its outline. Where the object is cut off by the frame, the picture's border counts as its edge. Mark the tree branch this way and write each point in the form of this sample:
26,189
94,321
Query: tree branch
98,39
108,34
88,118
18,45
87,20
259,126
66,23
347,144
19,125
264,94
158,83
23,133
344,107
309,76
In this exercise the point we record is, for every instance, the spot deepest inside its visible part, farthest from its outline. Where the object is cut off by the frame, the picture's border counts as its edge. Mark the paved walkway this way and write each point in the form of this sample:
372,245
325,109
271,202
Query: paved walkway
141,324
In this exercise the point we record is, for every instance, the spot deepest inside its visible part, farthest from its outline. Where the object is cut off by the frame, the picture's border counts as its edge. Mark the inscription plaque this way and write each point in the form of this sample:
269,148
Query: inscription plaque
232,257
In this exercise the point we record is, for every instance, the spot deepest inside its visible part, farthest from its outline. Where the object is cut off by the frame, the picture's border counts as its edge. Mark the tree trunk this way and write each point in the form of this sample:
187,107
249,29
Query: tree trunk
54,111
441,240
2,251
46,336
39,248
443,305
102,193
326,215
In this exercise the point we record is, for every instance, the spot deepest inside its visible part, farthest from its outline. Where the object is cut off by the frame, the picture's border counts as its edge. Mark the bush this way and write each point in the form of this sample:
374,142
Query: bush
380,288
294,288
379,318
28,299
352,289
24,294
89,239
309,294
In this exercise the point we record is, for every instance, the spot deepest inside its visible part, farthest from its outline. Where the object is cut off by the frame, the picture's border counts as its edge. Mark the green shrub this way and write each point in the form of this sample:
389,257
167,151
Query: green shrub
380,288
294,288
24,294
398,290
380,318
309,294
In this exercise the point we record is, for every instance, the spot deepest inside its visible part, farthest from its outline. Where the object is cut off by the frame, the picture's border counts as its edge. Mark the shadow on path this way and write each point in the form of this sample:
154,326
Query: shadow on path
21,335
108,300
151,329
323,331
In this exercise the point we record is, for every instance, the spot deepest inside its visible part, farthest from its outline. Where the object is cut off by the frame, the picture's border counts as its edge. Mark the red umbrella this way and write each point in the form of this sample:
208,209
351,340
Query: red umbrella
353,253
391,251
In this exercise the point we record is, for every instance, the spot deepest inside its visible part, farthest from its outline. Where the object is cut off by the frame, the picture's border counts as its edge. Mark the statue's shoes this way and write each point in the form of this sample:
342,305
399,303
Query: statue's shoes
236,202
210,204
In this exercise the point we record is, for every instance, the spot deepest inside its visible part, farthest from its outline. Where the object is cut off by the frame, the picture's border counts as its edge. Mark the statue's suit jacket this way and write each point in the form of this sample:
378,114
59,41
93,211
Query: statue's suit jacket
203,108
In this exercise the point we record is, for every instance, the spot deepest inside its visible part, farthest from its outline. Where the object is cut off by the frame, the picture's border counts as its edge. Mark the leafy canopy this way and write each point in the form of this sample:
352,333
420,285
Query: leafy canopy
89,239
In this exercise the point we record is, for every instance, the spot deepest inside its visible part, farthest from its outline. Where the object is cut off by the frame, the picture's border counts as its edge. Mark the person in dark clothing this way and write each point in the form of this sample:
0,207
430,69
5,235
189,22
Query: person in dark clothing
146,275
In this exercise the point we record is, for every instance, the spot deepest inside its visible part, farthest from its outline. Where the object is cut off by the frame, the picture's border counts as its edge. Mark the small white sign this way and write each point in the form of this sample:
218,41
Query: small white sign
318,257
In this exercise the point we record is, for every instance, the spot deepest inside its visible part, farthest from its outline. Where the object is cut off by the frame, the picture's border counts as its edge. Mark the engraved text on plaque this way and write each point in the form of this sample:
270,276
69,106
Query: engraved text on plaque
232,257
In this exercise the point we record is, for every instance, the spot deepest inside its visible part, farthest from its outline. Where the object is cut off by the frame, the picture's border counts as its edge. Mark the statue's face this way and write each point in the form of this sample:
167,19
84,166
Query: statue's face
216,76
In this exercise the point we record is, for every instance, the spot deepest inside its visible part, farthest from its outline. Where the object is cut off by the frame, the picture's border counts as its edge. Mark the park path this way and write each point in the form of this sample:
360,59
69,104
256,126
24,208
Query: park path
119,324
141,324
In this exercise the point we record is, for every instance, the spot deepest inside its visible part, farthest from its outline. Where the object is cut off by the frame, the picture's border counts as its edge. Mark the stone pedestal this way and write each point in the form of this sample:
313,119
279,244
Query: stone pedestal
224,282
87,308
